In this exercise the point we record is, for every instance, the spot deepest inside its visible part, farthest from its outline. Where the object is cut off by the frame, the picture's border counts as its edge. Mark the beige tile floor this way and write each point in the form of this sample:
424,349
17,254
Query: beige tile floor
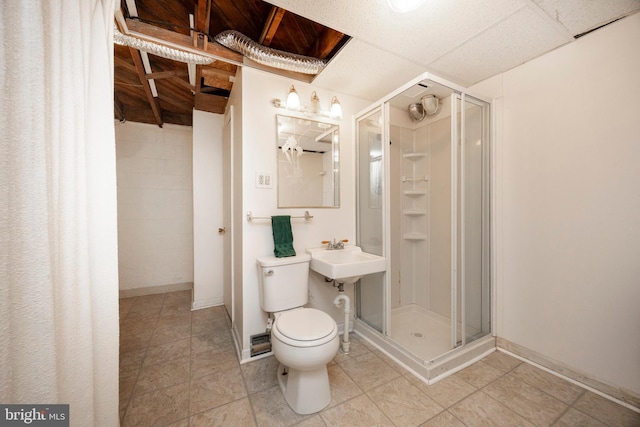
179,368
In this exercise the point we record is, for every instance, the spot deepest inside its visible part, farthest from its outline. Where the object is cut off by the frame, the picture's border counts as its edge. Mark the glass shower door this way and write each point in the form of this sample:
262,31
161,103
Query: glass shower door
370,204
472,218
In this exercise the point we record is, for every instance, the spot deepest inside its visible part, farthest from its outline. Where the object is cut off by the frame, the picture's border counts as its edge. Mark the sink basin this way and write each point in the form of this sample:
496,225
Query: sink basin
346,265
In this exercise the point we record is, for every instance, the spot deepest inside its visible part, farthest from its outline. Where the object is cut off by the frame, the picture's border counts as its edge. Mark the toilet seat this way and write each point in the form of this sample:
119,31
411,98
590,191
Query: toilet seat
304,327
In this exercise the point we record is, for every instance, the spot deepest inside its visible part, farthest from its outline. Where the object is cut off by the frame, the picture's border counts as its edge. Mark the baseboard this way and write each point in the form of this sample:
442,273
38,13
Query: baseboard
152,290
206,303
624,397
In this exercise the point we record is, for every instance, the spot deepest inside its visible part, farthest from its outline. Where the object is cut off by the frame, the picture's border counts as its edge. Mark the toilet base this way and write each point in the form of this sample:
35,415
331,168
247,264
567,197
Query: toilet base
306,392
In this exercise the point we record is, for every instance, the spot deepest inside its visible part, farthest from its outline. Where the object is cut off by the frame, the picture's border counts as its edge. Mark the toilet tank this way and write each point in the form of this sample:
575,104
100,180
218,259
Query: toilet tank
284,282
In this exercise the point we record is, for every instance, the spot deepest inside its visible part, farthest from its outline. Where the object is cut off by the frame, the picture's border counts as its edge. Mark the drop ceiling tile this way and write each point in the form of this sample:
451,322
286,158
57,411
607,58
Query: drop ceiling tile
421,36
523,36
579,16
367,72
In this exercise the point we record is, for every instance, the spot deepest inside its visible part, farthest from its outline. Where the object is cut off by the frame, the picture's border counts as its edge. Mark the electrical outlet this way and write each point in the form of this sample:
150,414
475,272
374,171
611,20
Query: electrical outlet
263,180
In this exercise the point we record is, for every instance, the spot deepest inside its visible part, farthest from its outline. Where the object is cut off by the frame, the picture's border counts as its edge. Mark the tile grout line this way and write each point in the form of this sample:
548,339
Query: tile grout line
146,350
571,380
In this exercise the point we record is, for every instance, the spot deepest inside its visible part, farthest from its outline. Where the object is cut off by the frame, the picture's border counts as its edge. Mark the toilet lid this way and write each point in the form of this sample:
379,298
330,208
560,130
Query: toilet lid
306,324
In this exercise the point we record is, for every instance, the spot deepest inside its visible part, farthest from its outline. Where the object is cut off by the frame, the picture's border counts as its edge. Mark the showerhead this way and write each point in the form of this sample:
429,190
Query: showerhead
416,111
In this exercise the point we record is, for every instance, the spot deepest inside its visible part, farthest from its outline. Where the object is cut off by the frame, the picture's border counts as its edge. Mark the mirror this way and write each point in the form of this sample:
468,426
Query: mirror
308,163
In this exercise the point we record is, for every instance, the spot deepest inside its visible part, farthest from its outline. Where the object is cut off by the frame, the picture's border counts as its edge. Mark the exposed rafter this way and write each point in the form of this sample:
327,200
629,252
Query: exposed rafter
189,26
137,60
271,26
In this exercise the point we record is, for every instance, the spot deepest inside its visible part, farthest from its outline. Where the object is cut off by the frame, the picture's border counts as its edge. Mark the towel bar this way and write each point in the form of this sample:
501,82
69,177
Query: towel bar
250,216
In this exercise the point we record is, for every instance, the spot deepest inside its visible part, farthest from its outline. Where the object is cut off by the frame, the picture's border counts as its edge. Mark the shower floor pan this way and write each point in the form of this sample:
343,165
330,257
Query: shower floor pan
431,361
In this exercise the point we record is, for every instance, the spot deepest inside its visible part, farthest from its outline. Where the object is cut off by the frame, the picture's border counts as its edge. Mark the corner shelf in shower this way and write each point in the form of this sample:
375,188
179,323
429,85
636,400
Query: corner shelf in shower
415,178
414,236
414,212
414,193
414,156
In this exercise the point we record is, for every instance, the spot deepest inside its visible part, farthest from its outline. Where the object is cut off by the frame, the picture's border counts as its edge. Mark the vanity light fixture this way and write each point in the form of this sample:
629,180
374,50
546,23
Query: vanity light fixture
313,108
404,6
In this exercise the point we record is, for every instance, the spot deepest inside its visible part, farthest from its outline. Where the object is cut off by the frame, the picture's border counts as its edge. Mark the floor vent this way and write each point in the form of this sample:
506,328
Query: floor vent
260,344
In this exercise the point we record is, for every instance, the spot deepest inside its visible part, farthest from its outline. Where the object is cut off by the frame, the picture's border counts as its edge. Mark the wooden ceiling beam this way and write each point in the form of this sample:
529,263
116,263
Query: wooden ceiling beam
213,50
180,41
217,78
271,26
203,16
155,108
202,22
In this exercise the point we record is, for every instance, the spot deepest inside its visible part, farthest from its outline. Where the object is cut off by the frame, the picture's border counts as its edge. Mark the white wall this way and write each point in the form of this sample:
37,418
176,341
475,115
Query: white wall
155,226
234,106
259,153
568,204
208,289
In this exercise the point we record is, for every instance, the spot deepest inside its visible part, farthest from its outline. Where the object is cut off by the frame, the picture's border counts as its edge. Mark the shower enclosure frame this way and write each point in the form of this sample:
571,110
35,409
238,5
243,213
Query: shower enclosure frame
461,353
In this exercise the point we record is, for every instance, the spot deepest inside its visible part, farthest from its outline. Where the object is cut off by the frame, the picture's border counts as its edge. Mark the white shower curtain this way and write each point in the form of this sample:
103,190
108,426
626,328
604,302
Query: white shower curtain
58,235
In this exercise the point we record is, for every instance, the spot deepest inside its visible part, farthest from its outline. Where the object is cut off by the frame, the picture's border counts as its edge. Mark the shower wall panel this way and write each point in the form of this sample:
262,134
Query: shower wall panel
440,216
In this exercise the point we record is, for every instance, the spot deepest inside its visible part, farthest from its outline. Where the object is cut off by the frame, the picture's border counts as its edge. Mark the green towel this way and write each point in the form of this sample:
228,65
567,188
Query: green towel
282,236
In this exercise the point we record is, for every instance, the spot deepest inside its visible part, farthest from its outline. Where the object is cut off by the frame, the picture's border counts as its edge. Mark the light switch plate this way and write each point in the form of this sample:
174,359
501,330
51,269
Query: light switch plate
263,180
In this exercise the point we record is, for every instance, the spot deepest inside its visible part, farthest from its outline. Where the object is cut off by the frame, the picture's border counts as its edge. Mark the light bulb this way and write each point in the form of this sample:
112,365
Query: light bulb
293,100
315,103
336,109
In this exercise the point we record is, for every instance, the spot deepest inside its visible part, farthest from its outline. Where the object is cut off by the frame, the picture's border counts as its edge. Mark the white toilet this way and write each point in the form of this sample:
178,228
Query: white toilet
303,340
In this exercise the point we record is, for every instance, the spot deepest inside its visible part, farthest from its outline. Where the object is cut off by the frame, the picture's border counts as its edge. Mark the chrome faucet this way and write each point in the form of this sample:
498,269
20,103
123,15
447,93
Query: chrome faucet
335,244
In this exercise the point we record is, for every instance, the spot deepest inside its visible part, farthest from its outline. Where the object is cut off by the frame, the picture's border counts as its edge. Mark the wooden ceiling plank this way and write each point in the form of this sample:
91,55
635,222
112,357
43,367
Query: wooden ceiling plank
119,62
271,26
210,103
166,74
328,39
184,84
119,83
181,105
137,60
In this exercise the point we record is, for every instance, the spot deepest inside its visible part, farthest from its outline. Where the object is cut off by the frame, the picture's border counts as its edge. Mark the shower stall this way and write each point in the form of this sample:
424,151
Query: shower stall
423,158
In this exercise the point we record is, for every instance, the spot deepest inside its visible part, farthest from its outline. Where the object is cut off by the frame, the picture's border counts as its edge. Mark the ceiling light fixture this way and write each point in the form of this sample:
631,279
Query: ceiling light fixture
404,6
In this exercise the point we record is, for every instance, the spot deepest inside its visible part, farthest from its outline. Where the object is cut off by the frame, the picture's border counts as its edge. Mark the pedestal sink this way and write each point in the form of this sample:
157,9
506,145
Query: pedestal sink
346,265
